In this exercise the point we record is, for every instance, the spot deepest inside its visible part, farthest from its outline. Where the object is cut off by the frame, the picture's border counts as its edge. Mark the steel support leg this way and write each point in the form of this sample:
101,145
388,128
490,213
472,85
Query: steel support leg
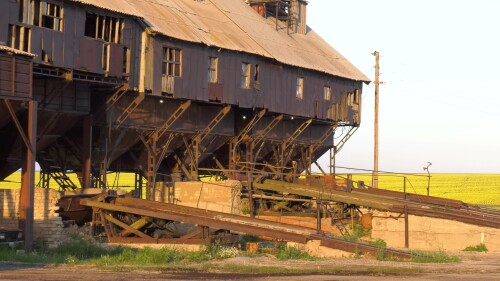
86,151
27,202
152,168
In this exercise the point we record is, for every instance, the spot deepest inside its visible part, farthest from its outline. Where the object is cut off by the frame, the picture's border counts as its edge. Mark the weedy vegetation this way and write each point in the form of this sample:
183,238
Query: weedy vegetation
478,248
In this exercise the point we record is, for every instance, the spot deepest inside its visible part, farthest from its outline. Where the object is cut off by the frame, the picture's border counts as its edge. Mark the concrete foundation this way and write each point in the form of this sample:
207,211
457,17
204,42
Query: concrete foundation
220,196
314,249
432,233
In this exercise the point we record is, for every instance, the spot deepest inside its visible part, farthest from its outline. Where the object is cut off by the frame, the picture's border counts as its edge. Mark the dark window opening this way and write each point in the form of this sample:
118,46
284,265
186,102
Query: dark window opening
19,37
256,74
51,16
126,60
90,25
106,28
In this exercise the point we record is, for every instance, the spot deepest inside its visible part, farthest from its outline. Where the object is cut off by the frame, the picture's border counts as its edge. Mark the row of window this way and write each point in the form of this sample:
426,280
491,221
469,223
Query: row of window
172,67
45,13
41,13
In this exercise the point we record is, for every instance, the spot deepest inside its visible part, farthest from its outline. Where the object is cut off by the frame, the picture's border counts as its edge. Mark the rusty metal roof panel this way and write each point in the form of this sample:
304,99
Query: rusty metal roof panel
308,51
233,25
119,6
197,21
4,48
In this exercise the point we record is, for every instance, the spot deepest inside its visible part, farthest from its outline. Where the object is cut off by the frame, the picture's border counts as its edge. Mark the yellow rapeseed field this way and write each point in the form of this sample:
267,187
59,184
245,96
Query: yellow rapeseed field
482,189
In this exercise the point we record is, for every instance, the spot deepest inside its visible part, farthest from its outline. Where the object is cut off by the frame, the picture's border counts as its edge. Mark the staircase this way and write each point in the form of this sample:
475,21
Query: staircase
336,219
51,170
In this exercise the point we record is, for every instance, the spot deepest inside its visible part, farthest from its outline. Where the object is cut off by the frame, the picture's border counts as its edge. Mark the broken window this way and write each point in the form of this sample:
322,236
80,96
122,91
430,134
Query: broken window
256,73
51,16
105,57
19,37
41,13
106,28
256,83
300,88
357,96
126,60
172,62
245,75
29,11
212,69
327,93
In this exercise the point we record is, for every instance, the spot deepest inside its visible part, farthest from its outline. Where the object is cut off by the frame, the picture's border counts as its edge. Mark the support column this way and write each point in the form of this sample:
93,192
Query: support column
86,151
27,198
152,168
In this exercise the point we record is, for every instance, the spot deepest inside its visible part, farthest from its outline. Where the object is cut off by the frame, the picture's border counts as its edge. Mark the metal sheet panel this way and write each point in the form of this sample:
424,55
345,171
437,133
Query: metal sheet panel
89,58
116,60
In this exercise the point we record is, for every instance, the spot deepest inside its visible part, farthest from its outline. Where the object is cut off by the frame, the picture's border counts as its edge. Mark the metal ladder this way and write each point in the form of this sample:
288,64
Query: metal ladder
337,221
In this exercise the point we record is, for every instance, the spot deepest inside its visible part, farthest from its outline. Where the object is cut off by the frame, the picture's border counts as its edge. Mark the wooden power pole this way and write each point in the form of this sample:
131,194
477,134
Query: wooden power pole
375,148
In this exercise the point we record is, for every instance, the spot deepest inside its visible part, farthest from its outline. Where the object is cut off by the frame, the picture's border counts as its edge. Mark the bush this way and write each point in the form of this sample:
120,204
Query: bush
478,248
292,253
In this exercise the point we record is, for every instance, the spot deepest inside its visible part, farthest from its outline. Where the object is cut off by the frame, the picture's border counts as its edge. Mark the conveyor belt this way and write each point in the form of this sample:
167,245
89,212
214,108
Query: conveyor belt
392,201
234,223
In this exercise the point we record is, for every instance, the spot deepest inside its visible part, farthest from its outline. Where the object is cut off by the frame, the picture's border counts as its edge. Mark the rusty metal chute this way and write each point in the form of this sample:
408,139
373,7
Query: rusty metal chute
114,215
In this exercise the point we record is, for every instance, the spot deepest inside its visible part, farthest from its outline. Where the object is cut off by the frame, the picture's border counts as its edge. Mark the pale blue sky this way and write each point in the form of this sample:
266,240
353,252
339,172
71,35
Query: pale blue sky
441,64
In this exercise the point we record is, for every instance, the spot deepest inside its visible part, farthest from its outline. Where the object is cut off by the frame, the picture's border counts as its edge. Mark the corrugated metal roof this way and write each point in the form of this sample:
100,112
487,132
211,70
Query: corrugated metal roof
15,51
233,25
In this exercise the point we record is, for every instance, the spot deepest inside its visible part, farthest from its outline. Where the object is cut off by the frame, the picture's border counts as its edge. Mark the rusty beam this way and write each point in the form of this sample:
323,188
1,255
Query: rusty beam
19,127
174,117
323,138
201,217
86,151
27,196
361,248
130,108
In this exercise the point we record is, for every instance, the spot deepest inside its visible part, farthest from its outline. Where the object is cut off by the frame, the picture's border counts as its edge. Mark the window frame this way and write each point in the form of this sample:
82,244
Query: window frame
105,27
50,13
299,94
172,66
327,93
38,12
213,69
245,75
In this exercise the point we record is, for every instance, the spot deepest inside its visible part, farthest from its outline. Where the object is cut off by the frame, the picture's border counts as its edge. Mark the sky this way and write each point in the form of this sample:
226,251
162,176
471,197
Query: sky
440,61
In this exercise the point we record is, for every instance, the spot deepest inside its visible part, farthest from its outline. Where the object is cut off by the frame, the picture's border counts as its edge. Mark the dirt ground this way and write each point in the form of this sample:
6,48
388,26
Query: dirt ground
474,266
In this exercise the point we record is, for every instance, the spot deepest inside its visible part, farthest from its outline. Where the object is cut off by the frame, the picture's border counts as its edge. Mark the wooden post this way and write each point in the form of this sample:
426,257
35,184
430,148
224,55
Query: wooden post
375,148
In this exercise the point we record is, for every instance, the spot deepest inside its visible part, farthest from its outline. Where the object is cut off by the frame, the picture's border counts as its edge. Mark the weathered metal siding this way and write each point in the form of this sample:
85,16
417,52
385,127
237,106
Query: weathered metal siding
15,77
277,82
57,95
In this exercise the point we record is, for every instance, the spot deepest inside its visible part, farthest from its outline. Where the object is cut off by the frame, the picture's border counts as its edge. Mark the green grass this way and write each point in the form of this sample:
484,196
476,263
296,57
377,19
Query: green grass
478,248
312,269
80,251
292,253
433,257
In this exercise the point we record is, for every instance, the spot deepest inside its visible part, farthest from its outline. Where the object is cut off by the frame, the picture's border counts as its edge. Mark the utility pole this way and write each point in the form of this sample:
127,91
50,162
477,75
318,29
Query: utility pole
375,148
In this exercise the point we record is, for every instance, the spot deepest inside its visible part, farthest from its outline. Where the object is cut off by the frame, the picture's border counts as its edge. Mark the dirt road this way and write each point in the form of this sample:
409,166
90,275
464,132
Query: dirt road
474,266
